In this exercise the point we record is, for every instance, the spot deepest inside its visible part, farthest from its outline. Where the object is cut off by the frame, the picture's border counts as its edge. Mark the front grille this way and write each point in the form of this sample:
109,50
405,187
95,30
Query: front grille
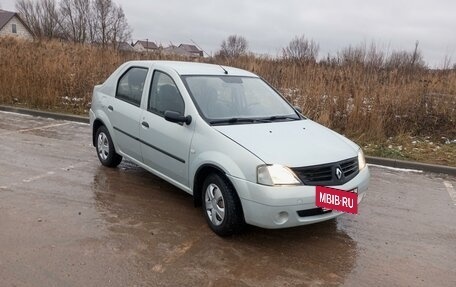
325,174
313,212
349,167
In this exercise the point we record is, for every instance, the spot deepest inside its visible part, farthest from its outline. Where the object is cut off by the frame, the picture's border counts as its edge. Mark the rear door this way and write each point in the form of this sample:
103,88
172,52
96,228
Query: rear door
165,146
125,112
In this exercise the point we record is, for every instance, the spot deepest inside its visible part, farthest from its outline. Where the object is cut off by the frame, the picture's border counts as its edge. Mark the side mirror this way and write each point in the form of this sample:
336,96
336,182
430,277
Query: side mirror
176,117
298,109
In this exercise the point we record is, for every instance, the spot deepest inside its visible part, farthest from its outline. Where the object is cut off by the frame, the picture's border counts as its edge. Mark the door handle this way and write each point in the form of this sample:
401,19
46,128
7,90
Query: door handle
110,108
145,124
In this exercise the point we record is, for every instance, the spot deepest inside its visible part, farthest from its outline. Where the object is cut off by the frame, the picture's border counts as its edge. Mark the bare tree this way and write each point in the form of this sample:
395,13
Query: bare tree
301,49
234,46
110,24
370,57
41,16
50,19
446,63
30,13
103,10
352,55
81,21
121,31
406,60
75,19
417,57
375,58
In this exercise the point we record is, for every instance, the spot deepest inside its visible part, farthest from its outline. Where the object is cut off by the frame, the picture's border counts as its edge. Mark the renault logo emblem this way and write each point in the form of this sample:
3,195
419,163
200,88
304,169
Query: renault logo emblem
338,173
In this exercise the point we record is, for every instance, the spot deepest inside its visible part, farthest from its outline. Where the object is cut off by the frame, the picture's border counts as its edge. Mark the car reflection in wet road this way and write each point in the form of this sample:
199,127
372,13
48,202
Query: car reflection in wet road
67,221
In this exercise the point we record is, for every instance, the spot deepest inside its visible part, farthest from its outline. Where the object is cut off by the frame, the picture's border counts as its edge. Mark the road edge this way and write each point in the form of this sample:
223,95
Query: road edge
44,114
396,163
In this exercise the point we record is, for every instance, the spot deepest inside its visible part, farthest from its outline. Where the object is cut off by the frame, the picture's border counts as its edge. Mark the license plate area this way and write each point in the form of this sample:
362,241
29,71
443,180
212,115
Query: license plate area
329,198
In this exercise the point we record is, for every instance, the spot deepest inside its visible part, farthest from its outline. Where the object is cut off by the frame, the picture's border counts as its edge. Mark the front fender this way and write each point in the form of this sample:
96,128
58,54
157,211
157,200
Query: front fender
218,160
211,148
241,165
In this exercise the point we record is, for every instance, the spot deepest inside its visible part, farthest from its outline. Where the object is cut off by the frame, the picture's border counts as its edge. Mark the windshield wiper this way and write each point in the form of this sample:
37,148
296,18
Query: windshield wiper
252,120
278,118
237,120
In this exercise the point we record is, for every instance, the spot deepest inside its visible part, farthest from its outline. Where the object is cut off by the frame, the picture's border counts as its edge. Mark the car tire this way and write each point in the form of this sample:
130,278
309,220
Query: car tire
105,148
221,206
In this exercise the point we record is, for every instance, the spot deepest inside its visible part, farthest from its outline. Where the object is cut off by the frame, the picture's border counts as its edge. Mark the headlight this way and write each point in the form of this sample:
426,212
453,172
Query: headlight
276,175
361,159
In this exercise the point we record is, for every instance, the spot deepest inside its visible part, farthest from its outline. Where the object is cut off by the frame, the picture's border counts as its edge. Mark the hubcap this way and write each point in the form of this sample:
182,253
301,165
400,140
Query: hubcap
215,204
103,146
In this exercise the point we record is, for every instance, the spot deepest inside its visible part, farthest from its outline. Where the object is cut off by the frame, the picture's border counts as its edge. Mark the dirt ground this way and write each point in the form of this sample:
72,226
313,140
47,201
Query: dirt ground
67,221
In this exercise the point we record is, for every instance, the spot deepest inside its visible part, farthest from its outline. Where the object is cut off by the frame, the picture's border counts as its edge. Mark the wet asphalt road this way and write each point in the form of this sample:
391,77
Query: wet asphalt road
67,221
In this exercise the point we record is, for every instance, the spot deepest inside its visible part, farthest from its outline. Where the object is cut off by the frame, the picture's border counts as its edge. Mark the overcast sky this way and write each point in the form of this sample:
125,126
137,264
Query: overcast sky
269,25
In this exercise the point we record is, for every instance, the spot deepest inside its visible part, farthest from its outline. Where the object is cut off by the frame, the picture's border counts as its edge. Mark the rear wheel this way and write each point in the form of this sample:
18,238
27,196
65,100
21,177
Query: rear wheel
105,148
221,206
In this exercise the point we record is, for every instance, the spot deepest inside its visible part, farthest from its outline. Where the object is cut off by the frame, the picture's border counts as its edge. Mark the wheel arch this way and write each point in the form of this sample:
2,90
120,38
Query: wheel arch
97,123
202,172
101,119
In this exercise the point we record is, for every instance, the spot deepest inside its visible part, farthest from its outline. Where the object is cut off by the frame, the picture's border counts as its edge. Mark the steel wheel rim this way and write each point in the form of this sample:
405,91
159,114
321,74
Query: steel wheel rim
215,204
103,146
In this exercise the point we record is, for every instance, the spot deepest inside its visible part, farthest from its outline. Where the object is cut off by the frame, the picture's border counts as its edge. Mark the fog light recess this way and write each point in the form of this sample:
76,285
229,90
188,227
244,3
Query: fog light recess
281,218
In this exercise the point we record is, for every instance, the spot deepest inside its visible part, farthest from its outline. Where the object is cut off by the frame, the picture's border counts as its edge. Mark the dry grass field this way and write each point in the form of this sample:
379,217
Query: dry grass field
392,111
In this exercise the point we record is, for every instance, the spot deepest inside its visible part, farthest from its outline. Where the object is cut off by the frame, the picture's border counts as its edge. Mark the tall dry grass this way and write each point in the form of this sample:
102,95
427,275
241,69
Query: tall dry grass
361,99
55,75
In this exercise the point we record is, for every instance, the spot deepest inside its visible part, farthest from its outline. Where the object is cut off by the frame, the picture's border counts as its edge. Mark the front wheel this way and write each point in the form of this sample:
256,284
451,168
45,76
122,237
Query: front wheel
105,148
221,206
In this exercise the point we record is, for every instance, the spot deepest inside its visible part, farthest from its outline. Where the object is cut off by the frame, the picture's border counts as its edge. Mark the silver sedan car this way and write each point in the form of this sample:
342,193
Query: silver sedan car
231,140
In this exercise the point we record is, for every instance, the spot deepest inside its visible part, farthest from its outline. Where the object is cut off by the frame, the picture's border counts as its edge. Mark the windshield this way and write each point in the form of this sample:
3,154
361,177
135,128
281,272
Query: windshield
233,99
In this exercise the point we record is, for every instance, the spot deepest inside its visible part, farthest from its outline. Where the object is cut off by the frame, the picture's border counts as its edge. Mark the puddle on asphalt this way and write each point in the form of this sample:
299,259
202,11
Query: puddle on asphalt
158,223
65,132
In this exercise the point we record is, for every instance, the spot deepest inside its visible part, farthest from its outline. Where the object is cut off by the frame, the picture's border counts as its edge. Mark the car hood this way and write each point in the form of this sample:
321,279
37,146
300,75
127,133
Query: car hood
291,143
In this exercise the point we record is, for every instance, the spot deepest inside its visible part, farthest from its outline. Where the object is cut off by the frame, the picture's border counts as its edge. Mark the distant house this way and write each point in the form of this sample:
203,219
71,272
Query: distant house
11,24
192,50
145,46
125,47
184,50
175,51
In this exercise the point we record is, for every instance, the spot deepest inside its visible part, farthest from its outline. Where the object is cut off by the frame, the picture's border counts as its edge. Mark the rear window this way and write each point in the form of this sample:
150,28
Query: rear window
131,85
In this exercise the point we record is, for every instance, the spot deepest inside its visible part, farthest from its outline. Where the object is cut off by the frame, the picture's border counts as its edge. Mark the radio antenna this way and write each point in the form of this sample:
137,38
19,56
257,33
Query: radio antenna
224,70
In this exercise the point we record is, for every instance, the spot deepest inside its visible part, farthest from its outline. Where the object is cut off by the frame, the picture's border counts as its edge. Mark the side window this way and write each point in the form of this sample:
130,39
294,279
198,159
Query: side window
164,95
130,86
13,28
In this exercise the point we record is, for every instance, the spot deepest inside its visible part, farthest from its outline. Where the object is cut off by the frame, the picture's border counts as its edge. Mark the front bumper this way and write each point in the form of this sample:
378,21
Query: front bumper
277,206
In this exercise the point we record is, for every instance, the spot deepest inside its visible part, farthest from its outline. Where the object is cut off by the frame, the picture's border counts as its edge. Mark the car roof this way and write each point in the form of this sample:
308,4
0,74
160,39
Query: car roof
193,68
